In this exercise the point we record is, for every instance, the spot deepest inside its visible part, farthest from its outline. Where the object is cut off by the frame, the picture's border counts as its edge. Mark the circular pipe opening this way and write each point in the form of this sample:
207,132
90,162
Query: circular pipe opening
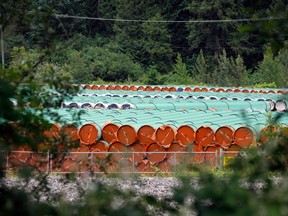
113,106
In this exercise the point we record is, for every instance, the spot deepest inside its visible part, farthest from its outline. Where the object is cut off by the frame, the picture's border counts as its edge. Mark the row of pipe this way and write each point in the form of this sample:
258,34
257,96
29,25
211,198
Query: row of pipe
181,88
108,100
142,153
100,157
170,104
186,95
158,126
183,95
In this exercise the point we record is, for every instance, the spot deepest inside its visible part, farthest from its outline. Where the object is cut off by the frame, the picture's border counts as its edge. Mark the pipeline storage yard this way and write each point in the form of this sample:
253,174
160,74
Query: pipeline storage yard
148,129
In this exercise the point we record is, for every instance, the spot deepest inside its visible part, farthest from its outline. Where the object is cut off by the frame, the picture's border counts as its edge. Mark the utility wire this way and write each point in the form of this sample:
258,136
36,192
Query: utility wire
172,21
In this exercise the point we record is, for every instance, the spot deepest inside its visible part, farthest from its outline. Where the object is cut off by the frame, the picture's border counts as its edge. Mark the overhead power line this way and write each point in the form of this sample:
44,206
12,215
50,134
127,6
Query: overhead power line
171,21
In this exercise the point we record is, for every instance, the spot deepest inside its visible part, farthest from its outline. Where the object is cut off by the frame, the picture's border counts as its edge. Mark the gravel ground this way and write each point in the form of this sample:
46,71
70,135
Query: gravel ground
159,187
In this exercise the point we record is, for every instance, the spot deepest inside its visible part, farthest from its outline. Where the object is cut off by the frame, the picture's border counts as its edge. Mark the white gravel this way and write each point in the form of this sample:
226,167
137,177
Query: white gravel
158,187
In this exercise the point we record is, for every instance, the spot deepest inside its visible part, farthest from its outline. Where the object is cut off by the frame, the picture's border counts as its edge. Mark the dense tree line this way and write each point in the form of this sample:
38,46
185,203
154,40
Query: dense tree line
145,50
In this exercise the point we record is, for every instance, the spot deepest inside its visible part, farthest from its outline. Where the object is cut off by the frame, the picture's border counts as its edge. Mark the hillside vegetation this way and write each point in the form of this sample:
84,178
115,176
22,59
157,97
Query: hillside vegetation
152,42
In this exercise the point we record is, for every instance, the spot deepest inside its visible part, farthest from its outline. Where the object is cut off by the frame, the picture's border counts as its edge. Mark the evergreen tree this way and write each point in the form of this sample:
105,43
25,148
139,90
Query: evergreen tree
157,44
200,70
180,73
177,10
147,42
215,36
273,68
230,71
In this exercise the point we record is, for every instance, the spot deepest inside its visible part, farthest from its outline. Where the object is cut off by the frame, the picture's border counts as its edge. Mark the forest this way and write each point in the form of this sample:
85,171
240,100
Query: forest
222,43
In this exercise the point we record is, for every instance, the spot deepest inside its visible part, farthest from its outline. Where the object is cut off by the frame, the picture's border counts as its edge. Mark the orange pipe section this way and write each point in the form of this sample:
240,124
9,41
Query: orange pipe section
244,137
39,161
87,86
53,132
171,156
148,88
185,135
89,133
212,89
211,157
95,87
69,165
204,89
117,147
200,157
125,88
109,132
172,89
127,134
110,87
71,132
229,90
205,136
224,136
102,87
155,157
117,87
220,90
188,89
100,146
132,88
164,88
141,88
237,90
165,135
263,91
22,156
138,157
156,88
146,134
144,166
81,156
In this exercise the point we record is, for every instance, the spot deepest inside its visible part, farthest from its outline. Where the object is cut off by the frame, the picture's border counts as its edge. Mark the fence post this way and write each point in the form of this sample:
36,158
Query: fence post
133,164
221,158
50,165
47,164
174,162
7,165
92,166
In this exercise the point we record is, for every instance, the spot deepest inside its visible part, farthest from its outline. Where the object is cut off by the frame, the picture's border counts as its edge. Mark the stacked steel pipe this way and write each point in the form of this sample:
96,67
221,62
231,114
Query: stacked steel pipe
182,88
144,131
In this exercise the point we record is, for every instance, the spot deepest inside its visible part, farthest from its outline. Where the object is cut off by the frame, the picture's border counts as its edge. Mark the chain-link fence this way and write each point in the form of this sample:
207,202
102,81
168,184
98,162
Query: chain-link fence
113,162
